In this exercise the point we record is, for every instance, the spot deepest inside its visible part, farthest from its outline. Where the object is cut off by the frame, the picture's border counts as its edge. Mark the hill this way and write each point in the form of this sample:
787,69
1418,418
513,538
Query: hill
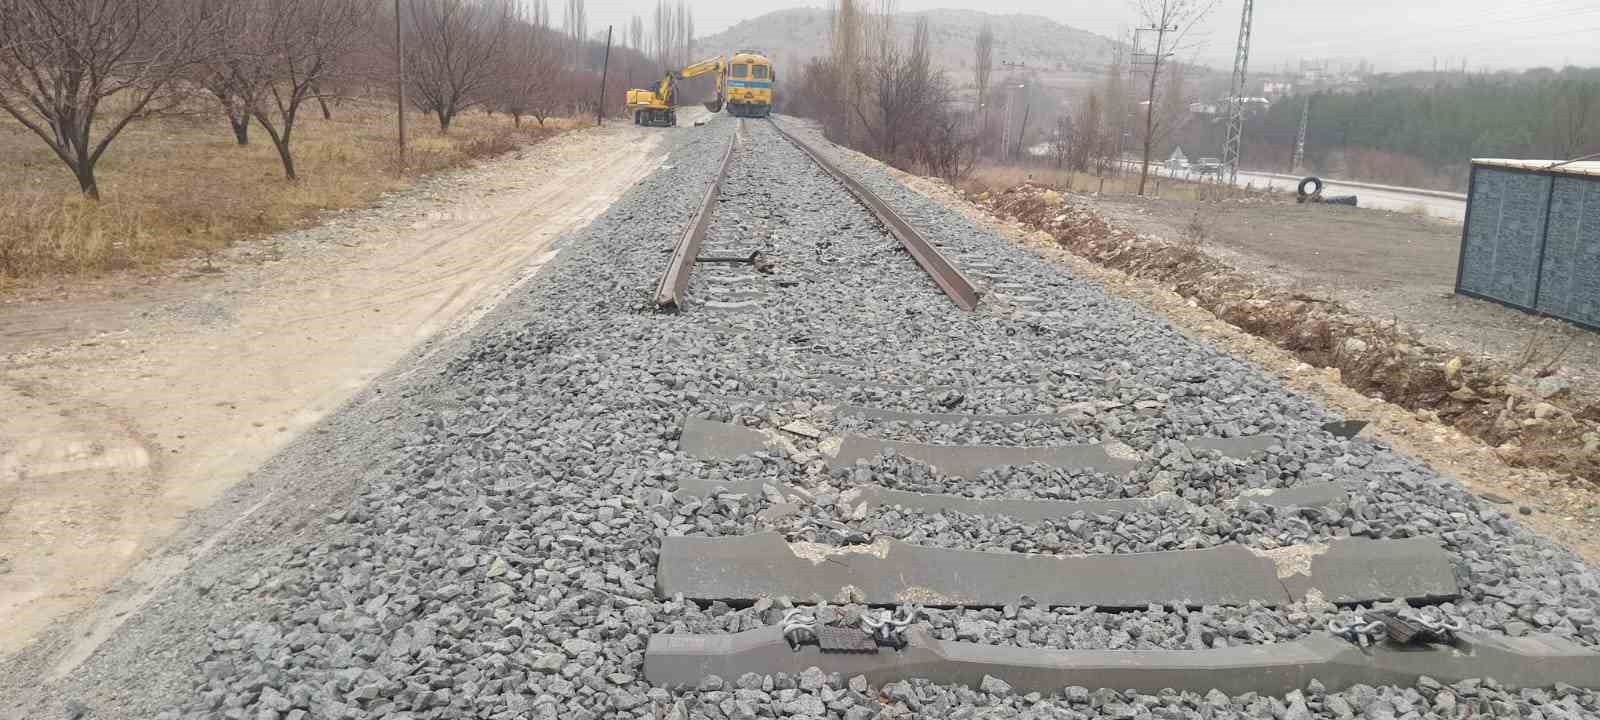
1039,44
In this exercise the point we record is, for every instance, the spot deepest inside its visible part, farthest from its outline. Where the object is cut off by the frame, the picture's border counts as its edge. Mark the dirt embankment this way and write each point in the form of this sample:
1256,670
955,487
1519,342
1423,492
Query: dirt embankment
1532,417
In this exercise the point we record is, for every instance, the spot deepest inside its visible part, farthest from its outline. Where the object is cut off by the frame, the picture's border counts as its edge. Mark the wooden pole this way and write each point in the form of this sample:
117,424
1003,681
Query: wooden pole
600,109
400,82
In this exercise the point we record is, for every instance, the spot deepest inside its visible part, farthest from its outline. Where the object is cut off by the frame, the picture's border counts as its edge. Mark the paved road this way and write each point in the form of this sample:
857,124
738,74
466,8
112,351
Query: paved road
1448,206
1383,197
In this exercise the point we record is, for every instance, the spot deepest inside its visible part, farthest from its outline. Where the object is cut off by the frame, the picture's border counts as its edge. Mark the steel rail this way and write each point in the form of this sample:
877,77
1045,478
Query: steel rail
944,273
669,292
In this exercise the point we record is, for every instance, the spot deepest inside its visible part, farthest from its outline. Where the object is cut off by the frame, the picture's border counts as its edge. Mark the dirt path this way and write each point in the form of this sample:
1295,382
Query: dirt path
1384,265
129,407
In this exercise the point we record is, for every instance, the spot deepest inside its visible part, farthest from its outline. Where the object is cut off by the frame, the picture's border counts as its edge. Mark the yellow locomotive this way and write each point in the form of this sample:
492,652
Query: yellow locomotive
750,84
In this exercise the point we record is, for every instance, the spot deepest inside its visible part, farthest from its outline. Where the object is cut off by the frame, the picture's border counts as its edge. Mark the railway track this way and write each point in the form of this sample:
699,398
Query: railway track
824,488
944,273
861,608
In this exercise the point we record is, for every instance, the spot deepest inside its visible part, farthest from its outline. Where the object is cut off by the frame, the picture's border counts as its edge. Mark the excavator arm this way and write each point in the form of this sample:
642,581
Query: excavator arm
710,65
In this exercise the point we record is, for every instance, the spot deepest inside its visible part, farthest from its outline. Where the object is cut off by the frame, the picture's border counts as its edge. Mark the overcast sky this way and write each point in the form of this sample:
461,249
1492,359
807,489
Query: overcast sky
1392,34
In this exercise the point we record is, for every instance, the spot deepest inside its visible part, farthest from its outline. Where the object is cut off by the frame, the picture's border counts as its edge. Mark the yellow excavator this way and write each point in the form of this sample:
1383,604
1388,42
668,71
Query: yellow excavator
656,108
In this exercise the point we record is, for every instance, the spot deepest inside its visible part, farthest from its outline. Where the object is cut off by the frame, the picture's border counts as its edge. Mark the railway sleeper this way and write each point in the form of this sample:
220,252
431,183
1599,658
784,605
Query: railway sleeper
1317,495
683,661
712,440
888,572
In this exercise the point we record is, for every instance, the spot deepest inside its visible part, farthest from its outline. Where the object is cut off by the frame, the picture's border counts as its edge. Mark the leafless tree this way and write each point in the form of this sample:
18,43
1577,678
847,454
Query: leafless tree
61,61
1170,21
636,33
879,28
845,42
575,23
227,82
673,34
688,32
905,92
1060,145
1573,122
982,68
661,30
279,52
530,74
1086,143
453,54
946,147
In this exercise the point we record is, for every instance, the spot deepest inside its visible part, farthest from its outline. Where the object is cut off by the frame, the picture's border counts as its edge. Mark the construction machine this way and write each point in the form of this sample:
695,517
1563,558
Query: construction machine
657,108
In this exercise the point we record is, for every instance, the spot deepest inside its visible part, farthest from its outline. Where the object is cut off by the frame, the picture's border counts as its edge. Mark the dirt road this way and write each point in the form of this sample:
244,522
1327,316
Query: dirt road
1390,266
1380,197
129,407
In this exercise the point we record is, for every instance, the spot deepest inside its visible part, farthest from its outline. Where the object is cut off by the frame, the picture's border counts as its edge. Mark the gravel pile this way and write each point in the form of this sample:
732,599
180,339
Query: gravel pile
502,566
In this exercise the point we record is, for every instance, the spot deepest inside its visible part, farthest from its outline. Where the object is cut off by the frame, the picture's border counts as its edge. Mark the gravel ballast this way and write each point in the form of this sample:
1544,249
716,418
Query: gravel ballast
498,559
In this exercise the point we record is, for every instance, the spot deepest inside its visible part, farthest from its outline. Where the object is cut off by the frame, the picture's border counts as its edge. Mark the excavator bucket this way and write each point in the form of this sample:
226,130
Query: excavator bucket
714,105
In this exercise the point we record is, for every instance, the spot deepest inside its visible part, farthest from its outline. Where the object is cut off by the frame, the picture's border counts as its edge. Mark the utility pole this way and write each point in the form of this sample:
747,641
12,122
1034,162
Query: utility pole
1300,139
1005,130
1022,135
1233,143
600,109
400,83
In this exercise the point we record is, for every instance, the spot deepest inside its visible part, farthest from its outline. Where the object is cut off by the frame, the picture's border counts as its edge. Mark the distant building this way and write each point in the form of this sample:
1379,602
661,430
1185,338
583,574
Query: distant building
1275,87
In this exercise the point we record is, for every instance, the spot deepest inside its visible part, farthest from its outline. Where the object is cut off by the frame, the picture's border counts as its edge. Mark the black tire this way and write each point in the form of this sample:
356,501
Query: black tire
1313,180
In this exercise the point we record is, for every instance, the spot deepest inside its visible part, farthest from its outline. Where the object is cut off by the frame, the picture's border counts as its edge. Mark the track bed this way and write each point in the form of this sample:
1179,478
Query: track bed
609,511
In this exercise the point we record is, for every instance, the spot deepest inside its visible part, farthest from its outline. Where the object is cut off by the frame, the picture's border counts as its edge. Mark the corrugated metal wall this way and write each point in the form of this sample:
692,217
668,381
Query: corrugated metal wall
1532,241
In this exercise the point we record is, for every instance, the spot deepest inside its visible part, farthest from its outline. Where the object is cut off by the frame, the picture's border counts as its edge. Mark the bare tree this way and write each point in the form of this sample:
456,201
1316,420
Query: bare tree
879,26
1061,146
905,92
1117,108
576,25
845,46
1170,21
982,68
1573,121
530,75
229,84
688,34
62,60
453,54
280,53
661,25
1086,137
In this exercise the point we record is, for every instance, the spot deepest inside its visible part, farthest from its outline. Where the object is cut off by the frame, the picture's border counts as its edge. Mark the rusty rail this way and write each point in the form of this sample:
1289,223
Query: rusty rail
944,273
669,293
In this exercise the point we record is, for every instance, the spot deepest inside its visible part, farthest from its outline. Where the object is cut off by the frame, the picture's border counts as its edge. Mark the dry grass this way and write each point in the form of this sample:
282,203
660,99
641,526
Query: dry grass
1002,177
179,186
